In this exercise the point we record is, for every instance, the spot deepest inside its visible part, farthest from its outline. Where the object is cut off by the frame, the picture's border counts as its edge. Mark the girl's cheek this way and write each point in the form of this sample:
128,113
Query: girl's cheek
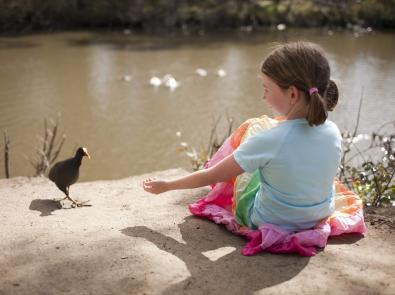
271,101
280,107
267,97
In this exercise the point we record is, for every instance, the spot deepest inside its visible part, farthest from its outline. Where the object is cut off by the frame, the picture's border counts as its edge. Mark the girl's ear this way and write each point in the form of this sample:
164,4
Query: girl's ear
294,94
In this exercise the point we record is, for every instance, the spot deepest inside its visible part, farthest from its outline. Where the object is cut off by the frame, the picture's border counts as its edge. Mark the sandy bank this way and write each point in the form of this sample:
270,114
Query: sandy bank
130,242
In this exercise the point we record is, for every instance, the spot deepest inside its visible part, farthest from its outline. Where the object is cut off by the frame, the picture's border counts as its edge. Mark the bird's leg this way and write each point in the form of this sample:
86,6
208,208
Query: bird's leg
65,191
75,203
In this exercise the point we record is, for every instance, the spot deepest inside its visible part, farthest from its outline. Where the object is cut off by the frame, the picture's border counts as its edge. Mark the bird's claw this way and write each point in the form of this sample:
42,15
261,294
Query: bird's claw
80,204
84,204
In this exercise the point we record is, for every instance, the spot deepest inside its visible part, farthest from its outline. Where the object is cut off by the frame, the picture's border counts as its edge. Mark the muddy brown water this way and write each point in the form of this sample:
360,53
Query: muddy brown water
130,127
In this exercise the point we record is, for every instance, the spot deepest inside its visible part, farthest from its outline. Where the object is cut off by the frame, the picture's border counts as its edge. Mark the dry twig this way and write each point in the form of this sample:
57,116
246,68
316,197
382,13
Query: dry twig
7,154
48,153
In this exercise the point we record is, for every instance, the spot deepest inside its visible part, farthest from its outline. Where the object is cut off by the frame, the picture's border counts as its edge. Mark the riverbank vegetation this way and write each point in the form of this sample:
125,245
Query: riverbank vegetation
191,16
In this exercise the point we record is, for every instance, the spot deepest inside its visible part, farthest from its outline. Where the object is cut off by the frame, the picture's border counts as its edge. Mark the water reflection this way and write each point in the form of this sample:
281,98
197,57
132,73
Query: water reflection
101,74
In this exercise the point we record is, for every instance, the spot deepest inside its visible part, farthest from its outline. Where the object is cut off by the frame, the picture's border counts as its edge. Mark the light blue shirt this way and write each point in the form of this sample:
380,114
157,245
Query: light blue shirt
297,164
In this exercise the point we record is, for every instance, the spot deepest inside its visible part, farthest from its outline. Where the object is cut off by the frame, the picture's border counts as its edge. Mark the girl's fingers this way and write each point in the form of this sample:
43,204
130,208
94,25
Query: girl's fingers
148,180
151,185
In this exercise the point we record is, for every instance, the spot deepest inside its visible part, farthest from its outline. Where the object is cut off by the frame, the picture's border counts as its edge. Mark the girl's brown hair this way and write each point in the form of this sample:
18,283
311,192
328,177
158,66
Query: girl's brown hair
304,65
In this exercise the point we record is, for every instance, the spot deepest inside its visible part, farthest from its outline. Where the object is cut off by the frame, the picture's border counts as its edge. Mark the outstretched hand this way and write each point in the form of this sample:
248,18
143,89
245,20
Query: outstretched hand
226,169
154,186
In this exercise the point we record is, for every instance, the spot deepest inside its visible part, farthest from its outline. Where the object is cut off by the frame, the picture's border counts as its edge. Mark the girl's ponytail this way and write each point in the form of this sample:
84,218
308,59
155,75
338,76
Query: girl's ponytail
317,112
319,106
331,95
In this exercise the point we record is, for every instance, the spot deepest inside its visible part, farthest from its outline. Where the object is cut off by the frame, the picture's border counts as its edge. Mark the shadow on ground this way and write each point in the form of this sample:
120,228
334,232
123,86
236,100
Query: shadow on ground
351,238
46,207
232,273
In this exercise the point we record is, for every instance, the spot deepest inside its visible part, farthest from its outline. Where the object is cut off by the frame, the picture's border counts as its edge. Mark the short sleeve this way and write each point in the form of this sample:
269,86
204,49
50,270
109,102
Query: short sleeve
255,152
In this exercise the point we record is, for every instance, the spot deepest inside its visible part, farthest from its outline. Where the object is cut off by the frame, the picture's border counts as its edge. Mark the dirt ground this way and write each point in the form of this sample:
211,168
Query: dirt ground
130,242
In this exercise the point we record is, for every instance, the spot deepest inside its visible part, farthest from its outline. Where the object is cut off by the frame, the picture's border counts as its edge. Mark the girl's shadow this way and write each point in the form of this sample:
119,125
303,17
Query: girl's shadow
230,274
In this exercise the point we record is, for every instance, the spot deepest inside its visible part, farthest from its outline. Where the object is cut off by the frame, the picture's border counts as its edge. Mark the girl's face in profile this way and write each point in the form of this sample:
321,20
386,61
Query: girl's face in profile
277,98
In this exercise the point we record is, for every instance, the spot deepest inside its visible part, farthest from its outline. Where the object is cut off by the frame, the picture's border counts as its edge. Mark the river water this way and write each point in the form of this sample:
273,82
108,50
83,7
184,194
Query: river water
99,83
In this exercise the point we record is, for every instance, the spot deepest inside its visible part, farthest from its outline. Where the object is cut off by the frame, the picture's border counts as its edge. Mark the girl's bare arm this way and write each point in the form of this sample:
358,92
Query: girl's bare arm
222,171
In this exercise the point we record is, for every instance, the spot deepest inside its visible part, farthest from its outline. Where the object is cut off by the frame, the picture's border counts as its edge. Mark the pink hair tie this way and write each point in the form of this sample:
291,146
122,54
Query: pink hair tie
313,90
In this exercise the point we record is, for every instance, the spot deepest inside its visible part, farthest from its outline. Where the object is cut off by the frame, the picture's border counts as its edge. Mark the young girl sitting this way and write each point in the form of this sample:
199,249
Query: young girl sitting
293,161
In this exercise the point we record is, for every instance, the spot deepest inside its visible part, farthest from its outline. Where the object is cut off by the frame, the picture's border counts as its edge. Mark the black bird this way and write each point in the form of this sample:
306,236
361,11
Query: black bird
65,173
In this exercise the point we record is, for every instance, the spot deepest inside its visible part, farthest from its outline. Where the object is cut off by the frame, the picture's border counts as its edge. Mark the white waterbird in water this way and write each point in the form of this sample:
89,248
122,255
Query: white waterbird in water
126,78
201,72
155,81
170,82
221,73
281,27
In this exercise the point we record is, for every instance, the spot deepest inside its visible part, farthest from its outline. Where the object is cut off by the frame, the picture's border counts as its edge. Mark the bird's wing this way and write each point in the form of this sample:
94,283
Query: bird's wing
67,173
54,171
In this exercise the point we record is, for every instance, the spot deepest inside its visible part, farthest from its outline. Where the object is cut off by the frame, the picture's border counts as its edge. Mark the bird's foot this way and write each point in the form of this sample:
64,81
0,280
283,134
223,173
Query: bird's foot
80,204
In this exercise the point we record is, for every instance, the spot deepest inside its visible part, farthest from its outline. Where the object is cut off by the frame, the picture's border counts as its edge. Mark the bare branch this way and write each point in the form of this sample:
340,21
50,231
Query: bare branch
46,154
52,141
58,150
348,146
6,154
212,133
359,114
